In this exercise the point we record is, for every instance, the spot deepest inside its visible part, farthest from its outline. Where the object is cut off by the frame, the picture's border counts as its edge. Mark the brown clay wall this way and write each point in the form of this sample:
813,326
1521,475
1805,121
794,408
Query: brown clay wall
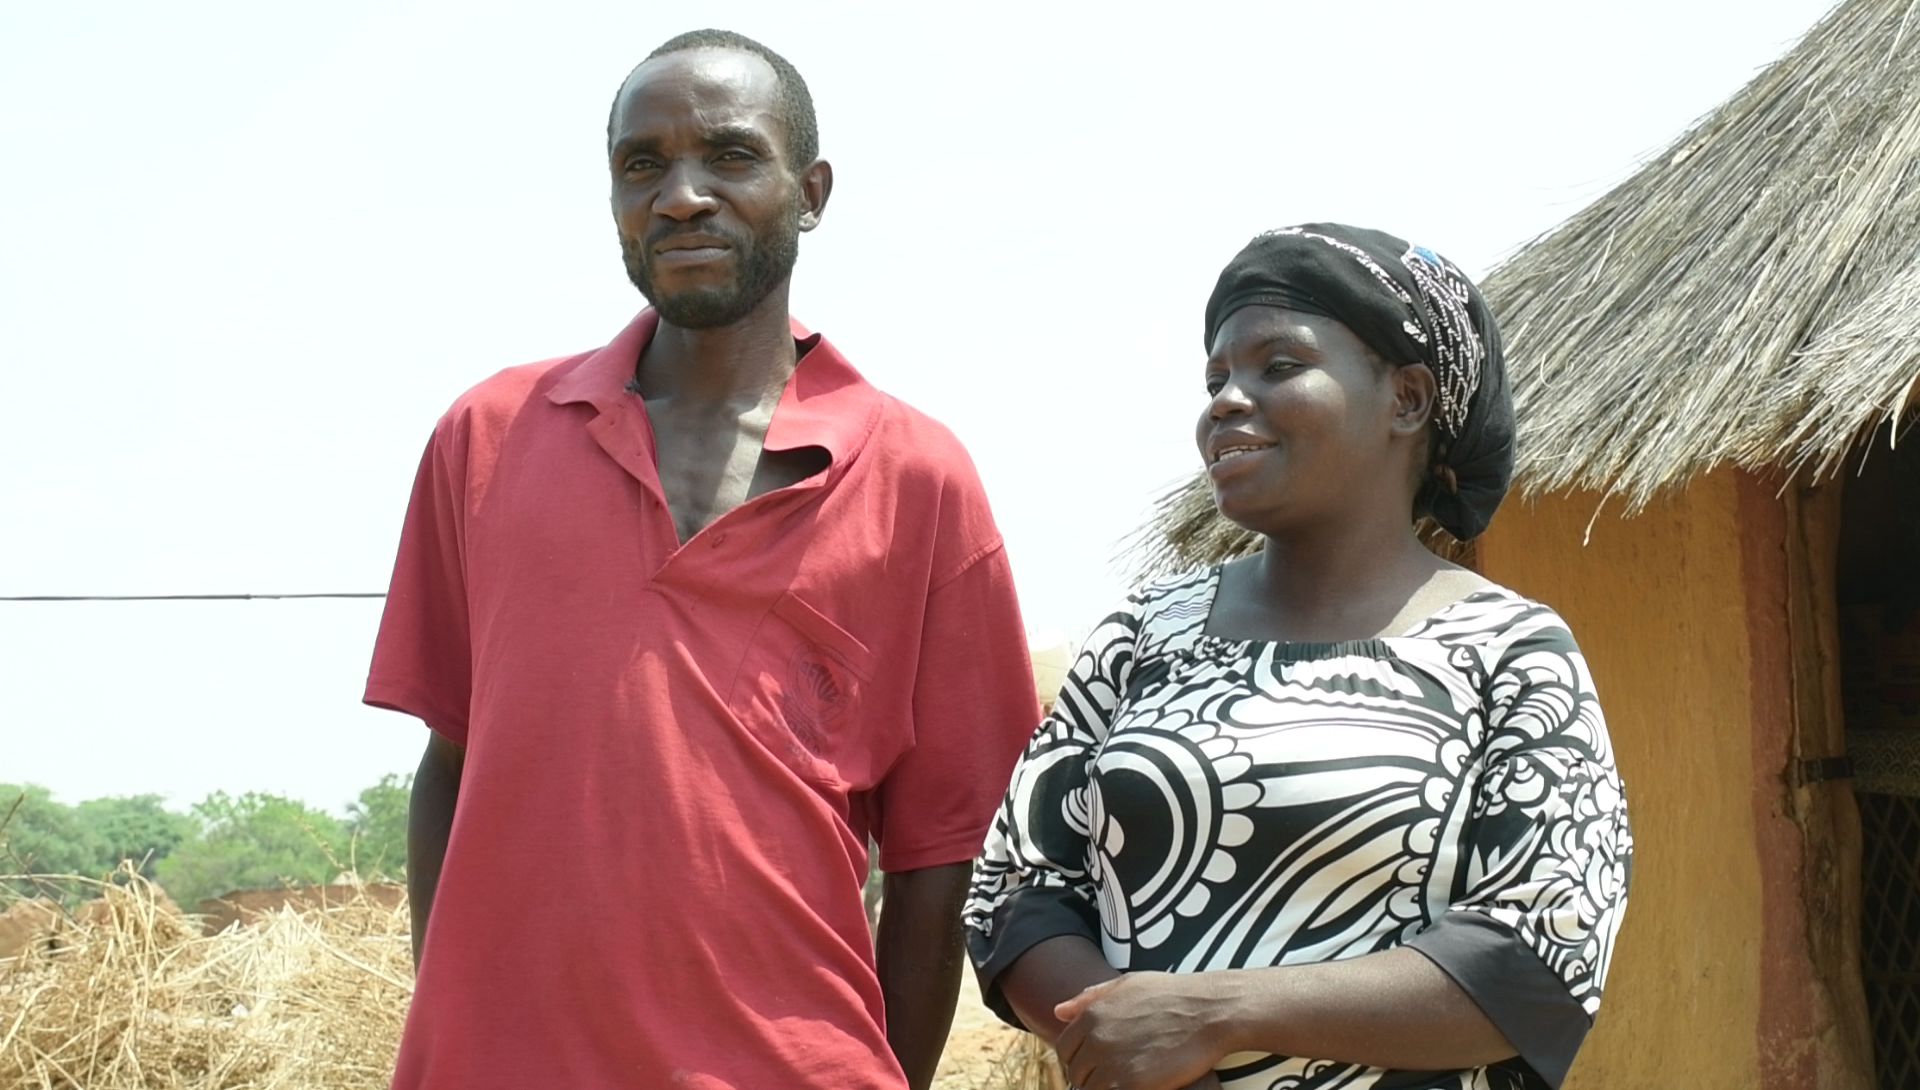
1659,603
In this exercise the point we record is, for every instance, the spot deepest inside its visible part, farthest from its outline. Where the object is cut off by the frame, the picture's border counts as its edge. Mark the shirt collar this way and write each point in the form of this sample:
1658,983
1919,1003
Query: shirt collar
825,404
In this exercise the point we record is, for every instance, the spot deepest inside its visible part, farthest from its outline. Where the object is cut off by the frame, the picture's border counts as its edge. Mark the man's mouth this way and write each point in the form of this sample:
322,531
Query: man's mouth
690,247
682,254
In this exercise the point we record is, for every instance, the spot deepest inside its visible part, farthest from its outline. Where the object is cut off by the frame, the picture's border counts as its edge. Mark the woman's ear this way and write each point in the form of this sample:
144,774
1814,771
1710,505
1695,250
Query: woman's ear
1413,391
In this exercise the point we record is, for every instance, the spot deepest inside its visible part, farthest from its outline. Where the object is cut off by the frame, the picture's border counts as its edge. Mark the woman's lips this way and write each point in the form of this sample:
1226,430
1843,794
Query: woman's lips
1235,458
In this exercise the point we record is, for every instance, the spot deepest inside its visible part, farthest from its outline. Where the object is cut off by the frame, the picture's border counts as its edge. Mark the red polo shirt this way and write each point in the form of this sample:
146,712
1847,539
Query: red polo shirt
675,753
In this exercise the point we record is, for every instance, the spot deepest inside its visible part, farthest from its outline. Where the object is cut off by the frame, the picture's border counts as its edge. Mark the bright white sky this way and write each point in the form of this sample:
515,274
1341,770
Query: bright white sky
249,252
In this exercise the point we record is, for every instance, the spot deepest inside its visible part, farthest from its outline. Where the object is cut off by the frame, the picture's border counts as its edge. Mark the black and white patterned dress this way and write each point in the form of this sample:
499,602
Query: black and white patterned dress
1199,803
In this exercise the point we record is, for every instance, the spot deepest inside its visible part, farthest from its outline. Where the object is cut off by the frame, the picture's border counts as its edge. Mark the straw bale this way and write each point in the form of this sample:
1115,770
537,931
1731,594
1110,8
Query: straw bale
130,994
135,997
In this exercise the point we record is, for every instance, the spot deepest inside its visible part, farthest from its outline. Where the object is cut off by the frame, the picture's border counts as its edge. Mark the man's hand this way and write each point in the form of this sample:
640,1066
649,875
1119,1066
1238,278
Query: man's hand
1144,1031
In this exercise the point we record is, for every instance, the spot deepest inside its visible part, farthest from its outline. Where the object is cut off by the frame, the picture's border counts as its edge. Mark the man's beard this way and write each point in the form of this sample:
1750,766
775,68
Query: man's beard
764,264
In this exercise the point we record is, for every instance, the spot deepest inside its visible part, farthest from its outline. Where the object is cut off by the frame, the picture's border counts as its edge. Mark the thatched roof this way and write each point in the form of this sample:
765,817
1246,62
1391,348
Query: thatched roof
1750,297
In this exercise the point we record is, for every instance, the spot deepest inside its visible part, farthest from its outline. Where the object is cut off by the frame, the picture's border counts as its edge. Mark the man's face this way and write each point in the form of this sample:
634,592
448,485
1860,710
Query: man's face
708,208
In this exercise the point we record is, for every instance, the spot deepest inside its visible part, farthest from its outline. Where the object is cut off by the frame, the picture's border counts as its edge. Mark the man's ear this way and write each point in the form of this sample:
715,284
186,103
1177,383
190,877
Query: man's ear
816,185
1413,392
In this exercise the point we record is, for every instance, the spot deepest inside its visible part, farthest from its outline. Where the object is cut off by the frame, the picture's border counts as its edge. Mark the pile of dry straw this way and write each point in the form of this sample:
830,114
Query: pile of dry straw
132,995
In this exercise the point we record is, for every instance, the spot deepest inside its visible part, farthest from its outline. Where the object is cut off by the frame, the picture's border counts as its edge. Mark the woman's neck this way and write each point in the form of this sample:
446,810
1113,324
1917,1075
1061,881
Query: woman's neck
1350,580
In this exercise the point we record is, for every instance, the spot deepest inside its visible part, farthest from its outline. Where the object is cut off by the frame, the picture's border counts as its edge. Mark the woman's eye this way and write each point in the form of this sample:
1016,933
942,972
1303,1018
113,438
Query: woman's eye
1214,385
1274,367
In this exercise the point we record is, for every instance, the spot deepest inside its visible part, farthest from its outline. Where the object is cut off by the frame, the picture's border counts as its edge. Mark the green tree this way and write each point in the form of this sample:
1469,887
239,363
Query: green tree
378,825
133,828
44,839
252,841
44,836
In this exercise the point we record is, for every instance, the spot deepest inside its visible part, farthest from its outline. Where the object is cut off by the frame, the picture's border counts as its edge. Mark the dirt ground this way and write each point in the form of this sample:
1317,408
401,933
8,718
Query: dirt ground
978,1055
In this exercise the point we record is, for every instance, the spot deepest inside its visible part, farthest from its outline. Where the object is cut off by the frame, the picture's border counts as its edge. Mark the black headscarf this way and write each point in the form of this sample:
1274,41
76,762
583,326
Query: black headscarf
1410,305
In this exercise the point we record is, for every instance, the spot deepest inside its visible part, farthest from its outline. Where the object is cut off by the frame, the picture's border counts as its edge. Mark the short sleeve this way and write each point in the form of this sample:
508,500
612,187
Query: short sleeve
1547,857
422,657
973,708
1032,881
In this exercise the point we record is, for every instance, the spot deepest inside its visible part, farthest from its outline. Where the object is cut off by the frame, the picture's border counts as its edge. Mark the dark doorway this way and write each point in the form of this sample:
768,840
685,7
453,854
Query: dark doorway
1879,595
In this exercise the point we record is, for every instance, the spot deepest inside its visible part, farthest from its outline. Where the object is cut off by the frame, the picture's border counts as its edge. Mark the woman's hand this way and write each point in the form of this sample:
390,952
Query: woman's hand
1144,1031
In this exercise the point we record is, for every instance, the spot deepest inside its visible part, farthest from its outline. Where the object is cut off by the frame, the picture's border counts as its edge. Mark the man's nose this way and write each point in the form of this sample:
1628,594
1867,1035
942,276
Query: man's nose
684,193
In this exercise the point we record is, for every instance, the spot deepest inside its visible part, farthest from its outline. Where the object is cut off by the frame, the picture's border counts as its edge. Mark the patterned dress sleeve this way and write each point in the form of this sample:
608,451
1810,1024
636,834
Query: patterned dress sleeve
1031,882
1543,872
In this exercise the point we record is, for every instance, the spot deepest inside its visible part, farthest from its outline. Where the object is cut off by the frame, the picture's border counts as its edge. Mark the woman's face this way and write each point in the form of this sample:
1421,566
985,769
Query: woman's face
1304,421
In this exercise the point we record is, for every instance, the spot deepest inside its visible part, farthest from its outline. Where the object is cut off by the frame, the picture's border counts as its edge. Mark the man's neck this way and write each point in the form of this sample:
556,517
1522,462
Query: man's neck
741,362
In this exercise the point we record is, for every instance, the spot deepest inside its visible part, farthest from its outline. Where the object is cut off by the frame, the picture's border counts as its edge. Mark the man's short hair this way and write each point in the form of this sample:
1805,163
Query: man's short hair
794,105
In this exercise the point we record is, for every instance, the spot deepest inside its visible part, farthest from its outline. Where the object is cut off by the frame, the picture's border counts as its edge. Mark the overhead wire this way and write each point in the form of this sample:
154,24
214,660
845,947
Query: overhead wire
184,597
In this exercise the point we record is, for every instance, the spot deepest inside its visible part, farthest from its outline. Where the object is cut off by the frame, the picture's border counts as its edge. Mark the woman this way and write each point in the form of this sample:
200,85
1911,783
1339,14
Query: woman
1338,813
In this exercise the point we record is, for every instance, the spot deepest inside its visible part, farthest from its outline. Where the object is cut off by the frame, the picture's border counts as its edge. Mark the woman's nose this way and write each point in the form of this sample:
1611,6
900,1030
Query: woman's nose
1229,400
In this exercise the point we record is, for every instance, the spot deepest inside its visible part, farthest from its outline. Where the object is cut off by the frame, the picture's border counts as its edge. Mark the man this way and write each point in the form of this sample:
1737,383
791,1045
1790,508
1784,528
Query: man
691,617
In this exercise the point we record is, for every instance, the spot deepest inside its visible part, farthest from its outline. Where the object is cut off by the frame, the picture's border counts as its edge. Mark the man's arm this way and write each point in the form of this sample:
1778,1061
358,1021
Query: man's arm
920,950
436,786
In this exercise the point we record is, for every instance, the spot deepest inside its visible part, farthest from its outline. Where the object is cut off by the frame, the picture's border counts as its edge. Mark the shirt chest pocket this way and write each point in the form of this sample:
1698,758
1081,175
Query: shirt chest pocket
804,689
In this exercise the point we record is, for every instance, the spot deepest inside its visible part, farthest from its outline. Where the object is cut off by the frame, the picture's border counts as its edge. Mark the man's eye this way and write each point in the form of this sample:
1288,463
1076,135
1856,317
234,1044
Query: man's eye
1274,367
1214,384
634,165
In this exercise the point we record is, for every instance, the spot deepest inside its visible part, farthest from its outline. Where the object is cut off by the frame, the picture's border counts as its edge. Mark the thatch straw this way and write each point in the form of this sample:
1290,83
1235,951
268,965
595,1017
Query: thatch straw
1751,297
134,997
1748,297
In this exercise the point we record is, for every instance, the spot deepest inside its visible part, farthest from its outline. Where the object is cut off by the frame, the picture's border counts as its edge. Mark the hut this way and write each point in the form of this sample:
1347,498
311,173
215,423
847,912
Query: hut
1716,368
